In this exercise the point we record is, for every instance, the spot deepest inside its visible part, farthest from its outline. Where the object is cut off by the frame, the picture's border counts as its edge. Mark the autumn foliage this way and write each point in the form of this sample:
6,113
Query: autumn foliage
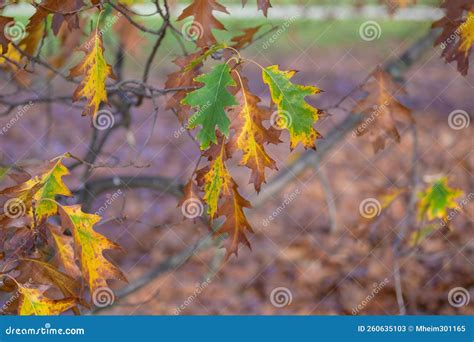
50,247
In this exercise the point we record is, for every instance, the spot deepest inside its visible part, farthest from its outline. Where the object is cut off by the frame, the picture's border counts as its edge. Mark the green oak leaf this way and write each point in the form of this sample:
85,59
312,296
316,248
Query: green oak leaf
294,113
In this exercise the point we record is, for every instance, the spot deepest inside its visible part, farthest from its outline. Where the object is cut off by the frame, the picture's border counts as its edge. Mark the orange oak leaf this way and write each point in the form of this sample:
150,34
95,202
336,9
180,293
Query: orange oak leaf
215,178
382,110
204,21
235,224
394,5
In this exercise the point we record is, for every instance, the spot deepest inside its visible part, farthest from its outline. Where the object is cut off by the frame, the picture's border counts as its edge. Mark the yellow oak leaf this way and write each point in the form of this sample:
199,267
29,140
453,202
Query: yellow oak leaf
95,70
90,247
34,302
65,252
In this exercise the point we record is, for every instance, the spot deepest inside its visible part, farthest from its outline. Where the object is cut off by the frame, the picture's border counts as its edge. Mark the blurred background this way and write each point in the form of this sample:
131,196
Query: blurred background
312,251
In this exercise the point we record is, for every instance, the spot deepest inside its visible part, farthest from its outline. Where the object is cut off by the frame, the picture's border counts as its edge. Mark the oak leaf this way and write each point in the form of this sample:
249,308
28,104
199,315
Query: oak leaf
235,224
457,36
215,180
251,136
95,70
295,114
38,194
437,199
